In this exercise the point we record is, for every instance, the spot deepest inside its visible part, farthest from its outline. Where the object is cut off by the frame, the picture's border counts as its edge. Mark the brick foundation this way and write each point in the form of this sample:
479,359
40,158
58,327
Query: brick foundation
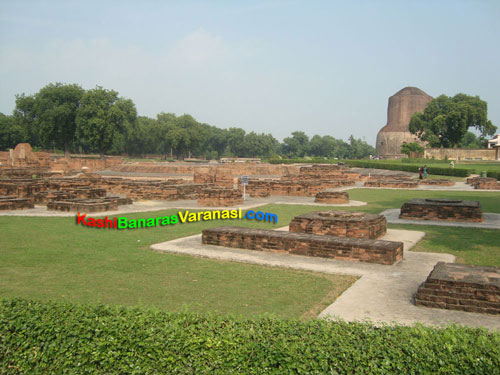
15,203
400,184
84,205
217,197
441,209
437,182
343,248
340,223
335,197
484,183
462,287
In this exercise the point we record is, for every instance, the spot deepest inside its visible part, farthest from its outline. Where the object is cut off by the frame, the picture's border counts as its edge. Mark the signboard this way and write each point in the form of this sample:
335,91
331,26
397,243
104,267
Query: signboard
244,180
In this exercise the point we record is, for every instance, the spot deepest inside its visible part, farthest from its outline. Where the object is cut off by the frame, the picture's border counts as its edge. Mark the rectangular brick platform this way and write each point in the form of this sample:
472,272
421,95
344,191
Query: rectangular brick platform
15,203
336,197
462,287
84,205
437,182
441,209
217,197
400,184
340,223
343,248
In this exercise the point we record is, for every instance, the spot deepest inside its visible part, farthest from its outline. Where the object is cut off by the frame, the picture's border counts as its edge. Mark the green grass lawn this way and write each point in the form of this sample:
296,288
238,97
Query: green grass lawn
53,258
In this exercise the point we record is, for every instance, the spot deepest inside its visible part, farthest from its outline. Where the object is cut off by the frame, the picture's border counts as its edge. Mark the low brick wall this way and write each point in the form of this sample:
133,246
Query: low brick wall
15,203
216,197
400,184
484,183
437,182
340,223
462,287
258,188
336,197
342,248
441,209
84,205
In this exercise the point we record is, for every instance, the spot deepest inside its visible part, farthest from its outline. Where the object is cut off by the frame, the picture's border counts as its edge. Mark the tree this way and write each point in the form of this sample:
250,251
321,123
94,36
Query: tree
25,118
408,148
50,114
10,133
471,141
445,120
100,116
296,145
359,149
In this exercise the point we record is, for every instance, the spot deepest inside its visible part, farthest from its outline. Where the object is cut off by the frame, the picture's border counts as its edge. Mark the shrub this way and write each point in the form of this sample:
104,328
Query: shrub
494,174
50,337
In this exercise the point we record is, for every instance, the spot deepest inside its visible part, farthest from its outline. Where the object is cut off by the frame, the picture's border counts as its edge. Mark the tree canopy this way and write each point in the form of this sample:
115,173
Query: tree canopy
65,116
446,120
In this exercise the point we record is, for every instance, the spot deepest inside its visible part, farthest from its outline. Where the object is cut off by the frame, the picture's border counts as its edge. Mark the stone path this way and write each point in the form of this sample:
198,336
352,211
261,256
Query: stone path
490,221
382,294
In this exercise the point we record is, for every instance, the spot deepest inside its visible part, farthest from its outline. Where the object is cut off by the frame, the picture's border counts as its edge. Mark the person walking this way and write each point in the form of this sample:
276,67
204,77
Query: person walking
425,171
420,172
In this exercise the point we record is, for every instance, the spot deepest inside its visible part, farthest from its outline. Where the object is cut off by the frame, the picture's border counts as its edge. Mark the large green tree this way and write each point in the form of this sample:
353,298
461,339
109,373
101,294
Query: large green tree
445,120
11,133
101,115
49,115
296,145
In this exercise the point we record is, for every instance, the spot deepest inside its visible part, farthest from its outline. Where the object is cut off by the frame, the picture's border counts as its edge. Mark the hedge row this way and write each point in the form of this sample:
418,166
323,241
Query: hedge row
494,175
63,338
459,172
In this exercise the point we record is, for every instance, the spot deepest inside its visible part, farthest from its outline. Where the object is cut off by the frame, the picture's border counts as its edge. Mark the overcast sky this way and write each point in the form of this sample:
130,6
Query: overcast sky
322,67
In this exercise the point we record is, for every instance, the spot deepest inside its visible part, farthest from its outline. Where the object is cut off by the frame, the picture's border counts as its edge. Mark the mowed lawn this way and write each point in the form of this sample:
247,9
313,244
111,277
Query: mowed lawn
53,258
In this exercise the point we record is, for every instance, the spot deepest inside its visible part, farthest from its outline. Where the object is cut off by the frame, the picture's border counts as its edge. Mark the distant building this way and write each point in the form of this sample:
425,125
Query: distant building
495,142
402,105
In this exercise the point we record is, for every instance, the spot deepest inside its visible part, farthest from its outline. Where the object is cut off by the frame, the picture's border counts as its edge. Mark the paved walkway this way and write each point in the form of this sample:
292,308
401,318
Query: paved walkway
490,221
382,294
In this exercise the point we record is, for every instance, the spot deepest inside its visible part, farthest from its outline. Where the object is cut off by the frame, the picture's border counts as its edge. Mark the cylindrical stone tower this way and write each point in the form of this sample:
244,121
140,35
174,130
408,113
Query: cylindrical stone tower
402,105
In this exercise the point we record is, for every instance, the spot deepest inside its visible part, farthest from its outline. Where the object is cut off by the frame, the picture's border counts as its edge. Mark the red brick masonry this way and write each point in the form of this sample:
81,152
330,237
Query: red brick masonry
15,203
217,197
461,287
437,182
441,209
340,223
337,197
343,248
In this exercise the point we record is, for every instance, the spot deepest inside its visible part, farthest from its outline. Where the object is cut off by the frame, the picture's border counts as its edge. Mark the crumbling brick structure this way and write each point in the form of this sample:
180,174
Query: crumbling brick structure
340,223
14,203
484,183
441,209
389,183
436,182
219,197
87,205
461,287
343,248
333,197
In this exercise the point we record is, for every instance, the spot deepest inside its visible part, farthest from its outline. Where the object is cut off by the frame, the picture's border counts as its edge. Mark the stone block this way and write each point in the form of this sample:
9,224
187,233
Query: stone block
441,209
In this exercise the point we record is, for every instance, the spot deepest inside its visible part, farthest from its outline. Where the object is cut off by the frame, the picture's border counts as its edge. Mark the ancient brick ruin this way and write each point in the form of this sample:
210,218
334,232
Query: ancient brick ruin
334,197
484,183
342,248
340,223
391,182
9,202
461,287
441,209
88,205
220,197
436,182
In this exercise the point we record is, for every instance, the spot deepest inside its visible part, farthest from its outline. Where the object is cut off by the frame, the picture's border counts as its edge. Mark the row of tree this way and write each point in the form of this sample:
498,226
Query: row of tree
69,118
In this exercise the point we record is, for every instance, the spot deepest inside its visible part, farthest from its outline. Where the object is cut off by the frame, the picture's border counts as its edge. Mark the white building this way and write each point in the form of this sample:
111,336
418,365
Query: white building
495,142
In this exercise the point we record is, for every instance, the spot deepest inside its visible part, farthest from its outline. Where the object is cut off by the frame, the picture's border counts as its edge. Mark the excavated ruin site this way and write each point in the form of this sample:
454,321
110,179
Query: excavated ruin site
36,179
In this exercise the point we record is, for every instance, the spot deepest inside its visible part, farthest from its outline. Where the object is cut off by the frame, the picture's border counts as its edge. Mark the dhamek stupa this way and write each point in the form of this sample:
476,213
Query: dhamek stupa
402,105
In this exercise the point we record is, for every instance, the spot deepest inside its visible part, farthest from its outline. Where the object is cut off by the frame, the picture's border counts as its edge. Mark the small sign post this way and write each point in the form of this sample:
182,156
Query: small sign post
244,181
